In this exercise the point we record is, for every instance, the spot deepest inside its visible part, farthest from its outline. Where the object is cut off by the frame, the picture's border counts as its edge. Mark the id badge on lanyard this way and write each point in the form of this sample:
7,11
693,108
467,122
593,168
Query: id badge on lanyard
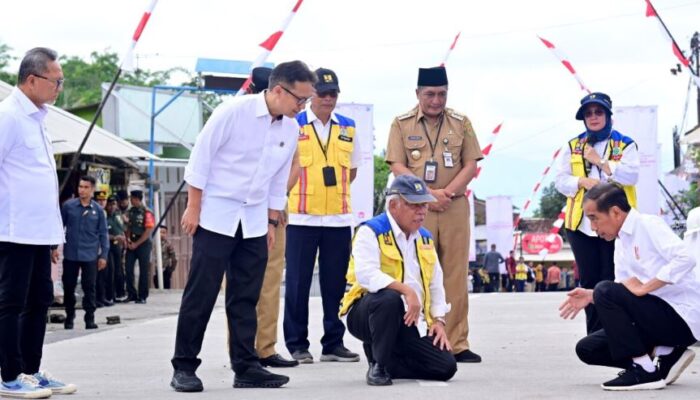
430,172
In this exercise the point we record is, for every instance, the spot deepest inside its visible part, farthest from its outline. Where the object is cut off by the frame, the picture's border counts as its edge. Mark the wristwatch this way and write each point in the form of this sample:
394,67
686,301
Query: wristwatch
441,320
273,222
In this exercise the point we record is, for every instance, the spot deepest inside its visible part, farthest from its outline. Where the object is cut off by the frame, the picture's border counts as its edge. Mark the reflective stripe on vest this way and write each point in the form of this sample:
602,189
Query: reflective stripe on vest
310,195
391,263
614,150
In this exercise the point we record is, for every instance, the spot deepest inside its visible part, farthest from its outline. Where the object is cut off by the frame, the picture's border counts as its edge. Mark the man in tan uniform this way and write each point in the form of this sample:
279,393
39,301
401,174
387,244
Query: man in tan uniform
269,302
439,146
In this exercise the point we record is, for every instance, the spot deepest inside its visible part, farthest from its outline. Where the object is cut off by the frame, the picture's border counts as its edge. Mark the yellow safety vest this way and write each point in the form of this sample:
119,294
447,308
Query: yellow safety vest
521,272
310,195
614,150
392,264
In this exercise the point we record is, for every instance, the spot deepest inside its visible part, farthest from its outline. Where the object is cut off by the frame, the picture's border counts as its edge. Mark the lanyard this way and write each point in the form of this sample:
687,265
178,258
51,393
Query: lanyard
324,148
433,144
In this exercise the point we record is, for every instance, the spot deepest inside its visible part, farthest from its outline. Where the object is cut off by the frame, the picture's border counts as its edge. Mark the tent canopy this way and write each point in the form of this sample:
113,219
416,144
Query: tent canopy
692,137
67,132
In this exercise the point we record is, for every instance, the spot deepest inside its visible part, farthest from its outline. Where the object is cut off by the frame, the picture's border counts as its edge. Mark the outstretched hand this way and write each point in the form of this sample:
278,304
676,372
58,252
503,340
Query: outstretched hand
576,300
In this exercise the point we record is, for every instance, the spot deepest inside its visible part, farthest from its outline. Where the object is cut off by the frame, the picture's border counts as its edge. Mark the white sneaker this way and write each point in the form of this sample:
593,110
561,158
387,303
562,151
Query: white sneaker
24,387
47,381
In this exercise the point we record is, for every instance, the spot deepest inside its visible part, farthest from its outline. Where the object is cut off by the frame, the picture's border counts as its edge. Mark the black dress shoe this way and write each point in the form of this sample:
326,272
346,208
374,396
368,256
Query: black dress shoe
277,361
467,356
140,301
184,381
259,377
377,375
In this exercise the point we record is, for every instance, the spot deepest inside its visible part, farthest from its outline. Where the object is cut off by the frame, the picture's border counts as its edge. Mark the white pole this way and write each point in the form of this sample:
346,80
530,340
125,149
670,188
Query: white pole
159,254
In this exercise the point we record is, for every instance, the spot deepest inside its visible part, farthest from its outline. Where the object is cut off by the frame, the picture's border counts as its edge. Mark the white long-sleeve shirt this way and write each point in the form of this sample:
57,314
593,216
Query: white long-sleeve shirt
625,172
29,210
241,162
366,253
647,248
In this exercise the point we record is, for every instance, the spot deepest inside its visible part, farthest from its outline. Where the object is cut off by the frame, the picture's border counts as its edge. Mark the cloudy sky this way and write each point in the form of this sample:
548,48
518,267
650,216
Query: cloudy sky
499,71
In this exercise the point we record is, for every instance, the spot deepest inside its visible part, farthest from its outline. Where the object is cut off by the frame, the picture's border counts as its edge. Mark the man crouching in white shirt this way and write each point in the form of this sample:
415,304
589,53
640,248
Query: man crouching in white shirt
652,310
237,176
396,281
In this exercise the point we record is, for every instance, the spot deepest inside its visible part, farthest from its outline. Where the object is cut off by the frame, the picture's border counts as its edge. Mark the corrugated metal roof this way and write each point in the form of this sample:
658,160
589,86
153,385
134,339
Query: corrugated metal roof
67,132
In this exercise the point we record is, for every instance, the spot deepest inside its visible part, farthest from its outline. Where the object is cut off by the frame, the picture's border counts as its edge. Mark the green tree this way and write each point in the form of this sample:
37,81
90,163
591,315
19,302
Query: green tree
381,175
84,78
551,203
5,59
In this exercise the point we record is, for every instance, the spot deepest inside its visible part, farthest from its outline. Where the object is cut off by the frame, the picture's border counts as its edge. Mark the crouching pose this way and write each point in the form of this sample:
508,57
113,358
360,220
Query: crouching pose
396,281
651,313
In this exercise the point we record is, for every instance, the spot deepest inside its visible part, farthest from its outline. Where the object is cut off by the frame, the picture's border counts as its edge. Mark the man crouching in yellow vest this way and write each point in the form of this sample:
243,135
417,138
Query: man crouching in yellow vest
396,281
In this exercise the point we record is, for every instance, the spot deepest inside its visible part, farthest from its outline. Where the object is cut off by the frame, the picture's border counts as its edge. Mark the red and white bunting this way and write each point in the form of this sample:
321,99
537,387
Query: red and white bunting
651,13
449,51
268,45
553,232
127,63
537,187
485,151
564,60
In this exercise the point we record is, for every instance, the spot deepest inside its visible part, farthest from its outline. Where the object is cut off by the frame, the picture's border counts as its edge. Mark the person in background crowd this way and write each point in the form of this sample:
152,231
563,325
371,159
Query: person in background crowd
520,275
114,285
553,278
138,247
492,259
169,258
508,279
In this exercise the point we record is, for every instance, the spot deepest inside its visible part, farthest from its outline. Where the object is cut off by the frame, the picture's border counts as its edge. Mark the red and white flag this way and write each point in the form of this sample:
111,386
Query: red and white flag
537,187
127,63
553,232
565,62
268,45
485,151
449,51
651,13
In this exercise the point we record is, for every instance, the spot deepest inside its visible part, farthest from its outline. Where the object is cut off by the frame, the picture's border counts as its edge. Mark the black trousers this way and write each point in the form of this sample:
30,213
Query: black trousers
105,283
632,327
88,280
243,262
332,244
26,292
143,255
594,257
377,320
114,263
167,275
494,282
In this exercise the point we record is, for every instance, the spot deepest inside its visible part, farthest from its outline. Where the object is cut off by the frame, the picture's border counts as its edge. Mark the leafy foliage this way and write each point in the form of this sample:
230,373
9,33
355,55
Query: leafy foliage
381,175
551,203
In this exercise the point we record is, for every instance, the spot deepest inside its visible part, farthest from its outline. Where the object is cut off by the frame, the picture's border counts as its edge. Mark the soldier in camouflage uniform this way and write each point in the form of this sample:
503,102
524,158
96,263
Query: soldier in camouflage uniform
169,258
138,234
117,242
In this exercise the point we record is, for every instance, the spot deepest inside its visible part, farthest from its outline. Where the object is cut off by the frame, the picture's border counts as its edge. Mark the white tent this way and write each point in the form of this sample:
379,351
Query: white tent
67,132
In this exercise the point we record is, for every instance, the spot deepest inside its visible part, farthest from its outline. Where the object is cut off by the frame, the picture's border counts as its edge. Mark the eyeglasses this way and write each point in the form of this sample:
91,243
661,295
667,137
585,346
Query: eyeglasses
300,100
597,112
57,82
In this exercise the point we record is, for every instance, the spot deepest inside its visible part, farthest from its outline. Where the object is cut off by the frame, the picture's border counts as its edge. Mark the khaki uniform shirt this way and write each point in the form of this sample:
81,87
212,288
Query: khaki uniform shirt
409,145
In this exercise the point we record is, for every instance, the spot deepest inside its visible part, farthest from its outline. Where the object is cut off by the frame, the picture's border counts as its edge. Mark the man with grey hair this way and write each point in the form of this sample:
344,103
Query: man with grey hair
396,281
30,222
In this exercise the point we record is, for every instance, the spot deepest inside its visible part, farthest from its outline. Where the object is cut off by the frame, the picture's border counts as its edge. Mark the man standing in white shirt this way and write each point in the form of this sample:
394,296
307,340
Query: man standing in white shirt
30,222
652,310
237,176
600,154
396,281
320,222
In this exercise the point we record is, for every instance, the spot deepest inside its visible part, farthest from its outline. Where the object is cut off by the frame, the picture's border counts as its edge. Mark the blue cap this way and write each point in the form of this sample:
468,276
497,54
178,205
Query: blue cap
594,98
411,188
